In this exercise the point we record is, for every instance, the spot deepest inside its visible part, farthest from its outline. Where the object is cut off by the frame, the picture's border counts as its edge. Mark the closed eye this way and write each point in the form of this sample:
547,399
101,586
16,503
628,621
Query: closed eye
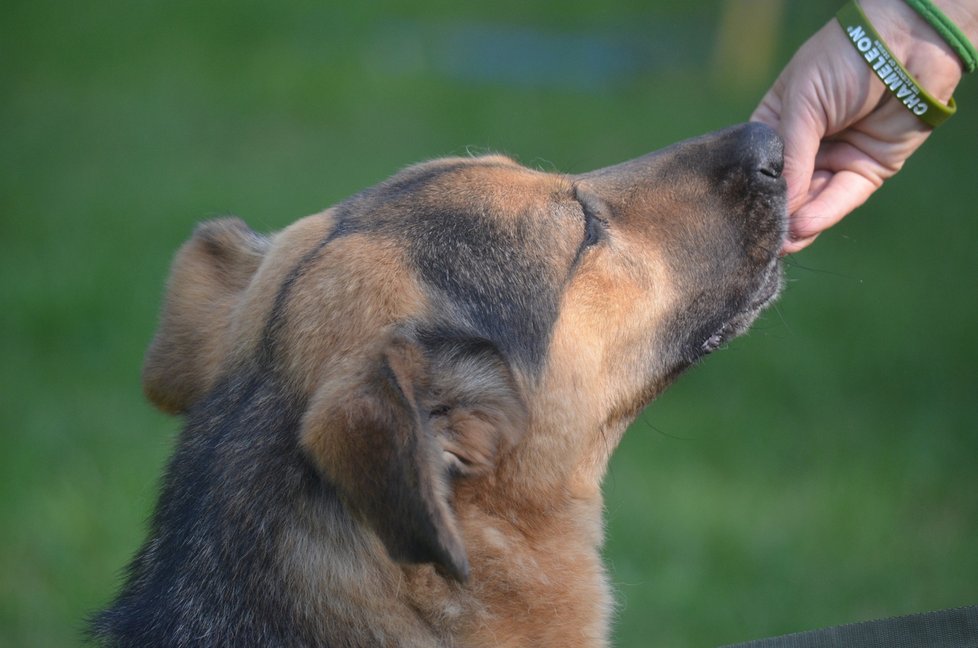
595,227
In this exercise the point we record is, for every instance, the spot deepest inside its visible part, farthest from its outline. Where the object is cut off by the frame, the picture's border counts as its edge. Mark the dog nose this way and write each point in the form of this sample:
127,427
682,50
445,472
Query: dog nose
763,150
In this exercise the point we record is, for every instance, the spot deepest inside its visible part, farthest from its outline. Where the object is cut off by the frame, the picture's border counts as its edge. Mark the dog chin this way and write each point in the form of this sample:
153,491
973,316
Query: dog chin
766,293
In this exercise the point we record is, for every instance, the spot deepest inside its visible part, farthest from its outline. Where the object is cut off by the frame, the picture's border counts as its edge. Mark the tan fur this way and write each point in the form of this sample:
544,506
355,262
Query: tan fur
468,505
209,274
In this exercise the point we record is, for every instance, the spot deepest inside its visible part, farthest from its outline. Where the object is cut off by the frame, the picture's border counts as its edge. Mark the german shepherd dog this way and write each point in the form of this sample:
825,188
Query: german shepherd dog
399,411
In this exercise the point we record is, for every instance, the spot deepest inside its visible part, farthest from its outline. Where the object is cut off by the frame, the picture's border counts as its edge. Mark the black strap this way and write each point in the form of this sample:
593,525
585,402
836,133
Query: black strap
955,628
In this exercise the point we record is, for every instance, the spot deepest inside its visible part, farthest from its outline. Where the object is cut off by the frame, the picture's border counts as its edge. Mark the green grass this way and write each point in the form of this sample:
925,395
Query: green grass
819,471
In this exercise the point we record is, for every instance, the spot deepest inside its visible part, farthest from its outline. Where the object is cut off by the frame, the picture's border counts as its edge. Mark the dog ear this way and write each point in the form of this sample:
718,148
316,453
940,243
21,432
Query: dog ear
476,411
378,446
207,278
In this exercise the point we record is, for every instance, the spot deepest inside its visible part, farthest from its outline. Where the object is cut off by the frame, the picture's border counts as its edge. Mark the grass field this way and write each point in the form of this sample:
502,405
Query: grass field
821,470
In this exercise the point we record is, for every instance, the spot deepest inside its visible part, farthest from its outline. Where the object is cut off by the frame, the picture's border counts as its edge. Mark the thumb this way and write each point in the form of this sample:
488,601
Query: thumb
802,131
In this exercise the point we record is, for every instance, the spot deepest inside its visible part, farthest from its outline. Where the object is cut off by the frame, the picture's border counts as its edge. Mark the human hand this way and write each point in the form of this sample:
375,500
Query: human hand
844,134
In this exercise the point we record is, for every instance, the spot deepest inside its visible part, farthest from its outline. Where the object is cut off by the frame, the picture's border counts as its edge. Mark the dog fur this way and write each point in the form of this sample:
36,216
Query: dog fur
399,411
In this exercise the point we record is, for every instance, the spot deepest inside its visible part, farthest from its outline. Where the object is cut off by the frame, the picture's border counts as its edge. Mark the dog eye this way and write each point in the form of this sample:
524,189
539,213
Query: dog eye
594,225
593,228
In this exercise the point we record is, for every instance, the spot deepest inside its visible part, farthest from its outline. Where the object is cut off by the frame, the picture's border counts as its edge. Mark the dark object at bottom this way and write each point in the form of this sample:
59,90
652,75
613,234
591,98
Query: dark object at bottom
955,628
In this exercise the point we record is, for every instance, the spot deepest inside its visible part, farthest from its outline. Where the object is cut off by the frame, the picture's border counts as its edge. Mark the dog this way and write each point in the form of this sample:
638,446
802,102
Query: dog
399,411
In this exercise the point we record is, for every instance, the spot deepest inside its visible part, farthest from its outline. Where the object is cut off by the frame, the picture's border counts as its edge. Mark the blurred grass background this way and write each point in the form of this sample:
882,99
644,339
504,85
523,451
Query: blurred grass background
819,471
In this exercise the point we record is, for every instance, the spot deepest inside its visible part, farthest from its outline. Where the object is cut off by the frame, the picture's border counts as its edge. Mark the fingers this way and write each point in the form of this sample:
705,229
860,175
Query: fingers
802,127
803,133
847,171
840,193
797,245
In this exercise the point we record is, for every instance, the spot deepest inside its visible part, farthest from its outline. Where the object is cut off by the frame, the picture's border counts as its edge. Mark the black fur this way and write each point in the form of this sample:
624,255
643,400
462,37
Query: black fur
506,295
230,490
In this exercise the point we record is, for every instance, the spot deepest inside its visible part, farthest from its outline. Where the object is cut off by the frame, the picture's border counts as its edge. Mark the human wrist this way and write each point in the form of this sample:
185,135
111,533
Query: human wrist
913,41
948,28
964,15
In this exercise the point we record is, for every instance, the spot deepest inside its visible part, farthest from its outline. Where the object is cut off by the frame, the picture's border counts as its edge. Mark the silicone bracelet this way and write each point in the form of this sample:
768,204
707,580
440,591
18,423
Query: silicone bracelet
948,31
888,69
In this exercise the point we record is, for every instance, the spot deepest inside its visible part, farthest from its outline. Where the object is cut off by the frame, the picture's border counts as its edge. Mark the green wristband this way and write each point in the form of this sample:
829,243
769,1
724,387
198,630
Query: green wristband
948,31
889,70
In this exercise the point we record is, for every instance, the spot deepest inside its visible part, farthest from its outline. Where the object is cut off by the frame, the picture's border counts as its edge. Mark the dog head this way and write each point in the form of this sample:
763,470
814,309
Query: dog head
473,331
